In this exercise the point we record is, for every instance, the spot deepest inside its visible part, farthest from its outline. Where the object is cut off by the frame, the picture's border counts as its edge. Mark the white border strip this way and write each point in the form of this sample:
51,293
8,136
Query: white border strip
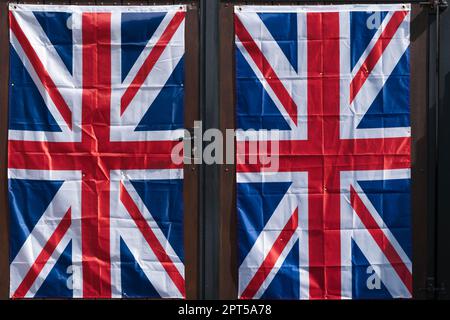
74,8
325,8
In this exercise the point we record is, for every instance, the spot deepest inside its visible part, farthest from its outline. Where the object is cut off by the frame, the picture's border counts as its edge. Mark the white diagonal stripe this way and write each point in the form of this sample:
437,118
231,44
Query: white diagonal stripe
382,70
38,238
122,226
376,257
123,126
351,115
353,228
293,81
294,199
68,86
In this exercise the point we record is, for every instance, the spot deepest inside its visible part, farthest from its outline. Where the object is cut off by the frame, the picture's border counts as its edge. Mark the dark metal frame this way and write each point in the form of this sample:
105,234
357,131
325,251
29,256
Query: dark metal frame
217,263
440,283
209,174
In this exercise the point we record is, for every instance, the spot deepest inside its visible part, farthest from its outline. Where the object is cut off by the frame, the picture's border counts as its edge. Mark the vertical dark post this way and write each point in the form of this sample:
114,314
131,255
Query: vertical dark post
443,201
191,180
419,147
432,153
228,256
436,129
209,174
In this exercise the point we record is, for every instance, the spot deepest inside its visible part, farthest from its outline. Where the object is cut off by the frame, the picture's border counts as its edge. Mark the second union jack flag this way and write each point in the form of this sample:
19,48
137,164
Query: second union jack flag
95,108
333,221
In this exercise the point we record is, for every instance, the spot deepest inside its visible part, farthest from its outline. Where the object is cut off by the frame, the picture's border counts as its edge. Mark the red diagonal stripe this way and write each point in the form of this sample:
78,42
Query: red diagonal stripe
151,60
152,240
42,73
264,66
376,53
43,256
380,238
269,262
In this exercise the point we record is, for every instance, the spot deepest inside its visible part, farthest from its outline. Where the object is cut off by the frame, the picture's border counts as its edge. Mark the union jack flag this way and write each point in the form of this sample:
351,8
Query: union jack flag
95,108
333,222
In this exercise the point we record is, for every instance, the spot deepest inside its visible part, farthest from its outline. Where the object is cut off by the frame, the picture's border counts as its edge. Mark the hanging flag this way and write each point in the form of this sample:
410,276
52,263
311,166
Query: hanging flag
332,218
95,107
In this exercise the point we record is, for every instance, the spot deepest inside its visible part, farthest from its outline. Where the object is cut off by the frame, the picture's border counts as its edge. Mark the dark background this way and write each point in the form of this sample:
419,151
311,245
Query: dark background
210,215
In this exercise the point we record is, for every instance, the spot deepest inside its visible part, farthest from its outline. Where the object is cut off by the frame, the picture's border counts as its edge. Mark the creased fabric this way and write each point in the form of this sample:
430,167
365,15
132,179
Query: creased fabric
96,104
323,151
